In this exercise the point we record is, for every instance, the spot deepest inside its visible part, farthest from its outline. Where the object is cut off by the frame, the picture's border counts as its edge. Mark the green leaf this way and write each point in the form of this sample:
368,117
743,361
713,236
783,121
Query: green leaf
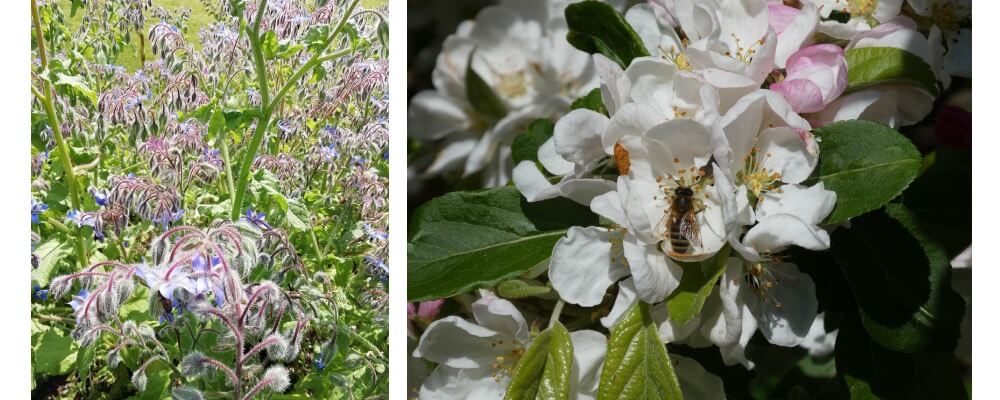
871,66
480,95
269,45
637,365
525,146
866,163
519,289
696,284
77,85
945,218
54,352
84,360
297,215
186,393
873,372
592,101
901,281
467,240
50,253
216,124
383,33
544,370
596,27
315,37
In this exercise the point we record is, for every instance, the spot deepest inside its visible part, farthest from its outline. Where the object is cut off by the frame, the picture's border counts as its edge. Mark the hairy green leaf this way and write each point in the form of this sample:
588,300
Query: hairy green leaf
637,366
50,253
544,370
866,163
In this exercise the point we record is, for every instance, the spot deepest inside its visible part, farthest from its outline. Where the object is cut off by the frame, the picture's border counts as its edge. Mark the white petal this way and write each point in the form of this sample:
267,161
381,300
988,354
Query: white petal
532,183
696,382
632,119
454,151
589,349
653,83
627,296
777,232
736,353
447,383
500,315
608,205
790,309
810,204
432,116
458,343
797,34
551,160
584,264
577,136
676,144
654,35
784,152
722,312
818,341
656,276
615,86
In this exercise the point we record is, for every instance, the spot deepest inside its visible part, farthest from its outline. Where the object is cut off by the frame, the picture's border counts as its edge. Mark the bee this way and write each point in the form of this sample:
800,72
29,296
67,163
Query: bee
680,221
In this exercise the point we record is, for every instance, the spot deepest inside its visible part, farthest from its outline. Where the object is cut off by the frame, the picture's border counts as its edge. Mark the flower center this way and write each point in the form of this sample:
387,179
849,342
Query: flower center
763,280
756,177
744,52
865,8
505,364
677,56
950,16
513,84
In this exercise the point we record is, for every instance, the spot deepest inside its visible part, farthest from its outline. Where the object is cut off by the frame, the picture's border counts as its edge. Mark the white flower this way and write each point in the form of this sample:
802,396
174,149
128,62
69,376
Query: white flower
667,156
523,56
864,15
729,44
475,360
650,91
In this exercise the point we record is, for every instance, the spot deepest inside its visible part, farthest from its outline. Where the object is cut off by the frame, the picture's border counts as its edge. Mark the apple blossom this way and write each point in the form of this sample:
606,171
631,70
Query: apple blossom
815,76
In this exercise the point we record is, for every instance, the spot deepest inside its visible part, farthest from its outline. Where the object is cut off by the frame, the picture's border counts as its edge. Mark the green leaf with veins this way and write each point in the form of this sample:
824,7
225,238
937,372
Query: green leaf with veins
467,240
866,163
871,66
637,366
543,372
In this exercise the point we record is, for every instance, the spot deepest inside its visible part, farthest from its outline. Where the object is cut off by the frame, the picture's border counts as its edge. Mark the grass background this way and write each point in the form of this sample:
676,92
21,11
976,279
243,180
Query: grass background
129,58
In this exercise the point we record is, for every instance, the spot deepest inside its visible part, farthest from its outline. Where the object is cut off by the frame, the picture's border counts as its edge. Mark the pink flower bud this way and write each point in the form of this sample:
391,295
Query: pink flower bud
425,311
815,76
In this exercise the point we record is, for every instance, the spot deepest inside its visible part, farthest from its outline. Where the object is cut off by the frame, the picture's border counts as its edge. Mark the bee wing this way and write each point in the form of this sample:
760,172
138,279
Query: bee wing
690,230
662,228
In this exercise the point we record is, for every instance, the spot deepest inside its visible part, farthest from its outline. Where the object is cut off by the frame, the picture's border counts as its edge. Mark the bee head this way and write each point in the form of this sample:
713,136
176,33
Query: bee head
683,191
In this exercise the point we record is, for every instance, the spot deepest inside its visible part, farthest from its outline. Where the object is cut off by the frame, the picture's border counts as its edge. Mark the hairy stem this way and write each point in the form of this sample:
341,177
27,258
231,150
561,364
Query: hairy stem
53,118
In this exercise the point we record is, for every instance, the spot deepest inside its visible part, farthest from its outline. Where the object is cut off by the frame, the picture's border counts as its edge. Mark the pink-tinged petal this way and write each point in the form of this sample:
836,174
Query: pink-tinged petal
803,95
411,311
428,310
781,15
824,65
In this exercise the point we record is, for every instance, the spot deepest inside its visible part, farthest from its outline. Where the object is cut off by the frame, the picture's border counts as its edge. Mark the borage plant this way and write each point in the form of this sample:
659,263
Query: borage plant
209,221
726,210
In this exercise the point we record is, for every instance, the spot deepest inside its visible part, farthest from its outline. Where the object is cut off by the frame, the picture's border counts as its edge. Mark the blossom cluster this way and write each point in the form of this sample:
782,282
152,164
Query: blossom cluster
701,153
